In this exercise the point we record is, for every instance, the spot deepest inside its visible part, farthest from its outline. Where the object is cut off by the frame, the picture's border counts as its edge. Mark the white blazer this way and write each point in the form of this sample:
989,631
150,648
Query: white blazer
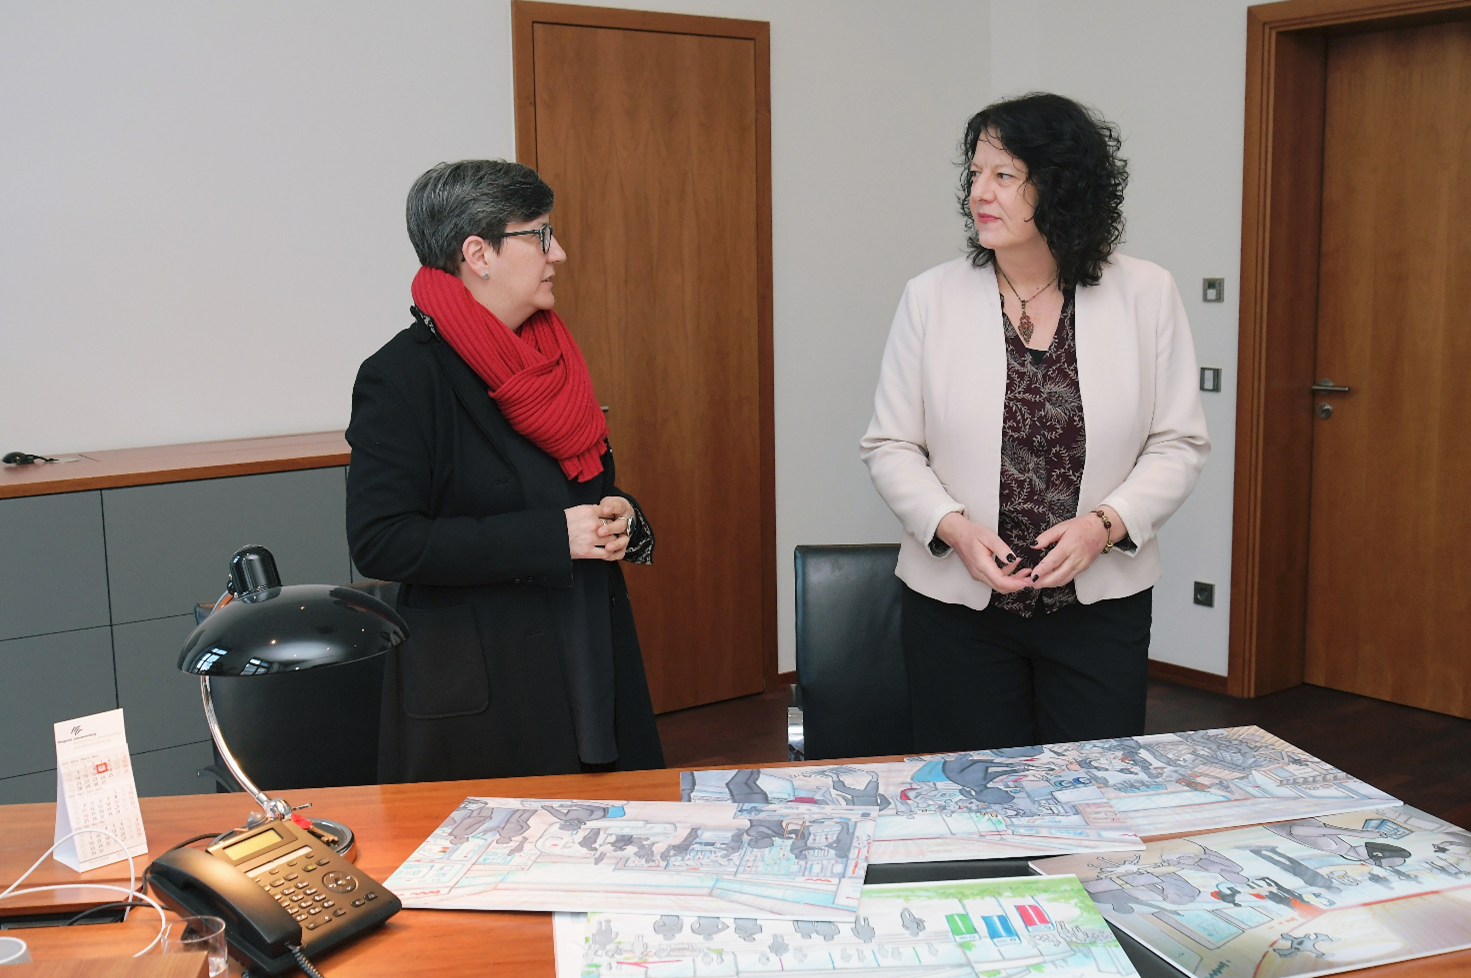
934,445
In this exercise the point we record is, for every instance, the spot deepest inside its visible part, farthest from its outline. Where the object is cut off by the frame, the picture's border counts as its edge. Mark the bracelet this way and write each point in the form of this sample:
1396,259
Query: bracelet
1107,525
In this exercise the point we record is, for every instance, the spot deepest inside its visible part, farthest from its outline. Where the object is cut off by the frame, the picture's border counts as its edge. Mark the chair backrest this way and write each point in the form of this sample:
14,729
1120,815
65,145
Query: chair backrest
850,661
312,729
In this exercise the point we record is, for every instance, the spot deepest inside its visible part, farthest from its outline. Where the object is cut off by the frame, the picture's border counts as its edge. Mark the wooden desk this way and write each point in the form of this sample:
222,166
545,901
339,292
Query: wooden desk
390,822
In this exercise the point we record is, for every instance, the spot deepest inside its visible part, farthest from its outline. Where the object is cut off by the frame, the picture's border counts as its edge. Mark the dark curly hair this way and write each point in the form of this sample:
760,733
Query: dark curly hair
1072,159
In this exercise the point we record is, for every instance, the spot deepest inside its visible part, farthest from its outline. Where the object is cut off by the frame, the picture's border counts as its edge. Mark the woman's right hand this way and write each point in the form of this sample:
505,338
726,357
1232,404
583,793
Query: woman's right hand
984,554
582,535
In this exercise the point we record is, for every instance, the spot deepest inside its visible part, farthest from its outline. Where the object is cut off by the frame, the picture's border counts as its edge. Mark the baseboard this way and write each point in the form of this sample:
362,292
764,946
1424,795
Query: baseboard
1183,676
1166,671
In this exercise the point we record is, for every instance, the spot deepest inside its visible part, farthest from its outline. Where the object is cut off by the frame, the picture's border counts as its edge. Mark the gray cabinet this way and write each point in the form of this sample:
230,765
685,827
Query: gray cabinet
97,591
53,575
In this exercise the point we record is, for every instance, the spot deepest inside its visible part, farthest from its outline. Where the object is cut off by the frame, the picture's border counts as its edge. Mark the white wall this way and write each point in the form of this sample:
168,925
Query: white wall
202,211
1172,76
202,205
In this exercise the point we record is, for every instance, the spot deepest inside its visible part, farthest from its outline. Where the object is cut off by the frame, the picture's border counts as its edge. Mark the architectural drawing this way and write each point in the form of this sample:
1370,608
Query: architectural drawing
551,854
1024,801
1307,896
1032,925
1204,780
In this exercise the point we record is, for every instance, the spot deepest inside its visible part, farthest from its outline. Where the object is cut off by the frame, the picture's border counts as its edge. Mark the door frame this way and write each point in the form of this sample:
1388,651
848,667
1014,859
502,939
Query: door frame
525,14
1281,200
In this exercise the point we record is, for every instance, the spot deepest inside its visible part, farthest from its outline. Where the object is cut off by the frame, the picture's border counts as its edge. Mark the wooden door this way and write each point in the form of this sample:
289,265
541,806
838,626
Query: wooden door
1389,598
653,130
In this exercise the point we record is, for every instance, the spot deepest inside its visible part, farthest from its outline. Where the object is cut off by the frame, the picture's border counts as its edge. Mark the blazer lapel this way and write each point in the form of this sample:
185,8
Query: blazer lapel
471,392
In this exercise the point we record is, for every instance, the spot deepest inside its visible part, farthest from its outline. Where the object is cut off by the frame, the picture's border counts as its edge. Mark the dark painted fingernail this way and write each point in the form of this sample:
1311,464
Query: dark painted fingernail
1034,577
1010,558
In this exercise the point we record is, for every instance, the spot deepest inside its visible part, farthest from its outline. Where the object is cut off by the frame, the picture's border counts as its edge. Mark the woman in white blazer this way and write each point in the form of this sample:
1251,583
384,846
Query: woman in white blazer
1037,420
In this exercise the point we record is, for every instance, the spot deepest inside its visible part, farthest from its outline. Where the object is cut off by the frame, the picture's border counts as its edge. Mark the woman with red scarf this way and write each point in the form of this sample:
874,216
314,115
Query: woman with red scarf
482,480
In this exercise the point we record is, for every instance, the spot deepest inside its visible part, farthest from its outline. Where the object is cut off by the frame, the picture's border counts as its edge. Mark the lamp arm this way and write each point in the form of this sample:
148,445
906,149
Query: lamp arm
274,808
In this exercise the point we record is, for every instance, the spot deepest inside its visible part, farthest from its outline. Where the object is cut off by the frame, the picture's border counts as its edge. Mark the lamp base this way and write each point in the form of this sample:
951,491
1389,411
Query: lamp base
346,843
345,846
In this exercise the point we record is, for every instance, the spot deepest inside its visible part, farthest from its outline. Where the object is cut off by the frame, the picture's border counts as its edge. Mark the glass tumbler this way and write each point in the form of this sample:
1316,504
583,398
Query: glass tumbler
199,934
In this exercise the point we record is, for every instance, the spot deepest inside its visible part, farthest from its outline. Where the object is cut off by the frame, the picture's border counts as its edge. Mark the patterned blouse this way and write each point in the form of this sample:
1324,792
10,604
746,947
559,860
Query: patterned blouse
1043,446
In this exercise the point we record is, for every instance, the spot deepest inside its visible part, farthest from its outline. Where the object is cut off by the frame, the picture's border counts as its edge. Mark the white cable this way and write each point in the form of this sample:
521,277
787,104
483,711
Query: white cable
131,890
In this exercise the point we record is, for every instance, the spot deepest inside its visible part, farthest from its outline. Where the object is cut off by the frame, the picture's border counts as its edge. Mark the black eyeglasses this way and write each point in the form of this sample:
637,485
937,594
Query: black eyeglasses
544,233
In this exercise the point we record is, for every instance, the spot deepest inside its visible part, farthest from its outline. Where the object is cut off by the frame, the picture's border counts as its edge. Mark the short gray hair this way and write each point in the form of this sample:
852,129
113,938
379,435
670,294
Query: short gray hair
453,201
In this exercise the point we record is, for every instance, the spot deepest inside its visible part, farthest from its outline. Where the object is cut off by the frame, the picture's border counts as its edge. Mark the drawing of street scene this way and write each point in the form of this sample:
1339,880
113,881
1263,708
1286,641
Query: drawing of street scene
1203,780
1024,801
1032,925
550,854
1306,896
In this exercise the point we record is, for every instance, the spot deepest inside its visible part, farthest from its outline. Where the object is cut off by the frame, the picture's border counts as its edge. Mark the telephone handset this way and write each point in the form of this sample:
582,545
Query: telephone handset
275,887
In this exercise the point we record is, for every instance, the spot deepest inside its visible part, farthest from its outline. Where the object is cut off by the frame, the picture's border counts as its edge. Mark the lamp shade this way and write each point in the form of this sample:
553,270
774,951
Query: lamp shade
284,629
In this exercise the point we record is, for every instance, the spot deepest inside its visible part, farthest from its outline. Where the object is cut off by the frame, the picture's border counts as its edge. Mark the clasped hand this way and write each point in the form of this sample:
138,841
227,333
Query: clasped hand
1074,544
599,532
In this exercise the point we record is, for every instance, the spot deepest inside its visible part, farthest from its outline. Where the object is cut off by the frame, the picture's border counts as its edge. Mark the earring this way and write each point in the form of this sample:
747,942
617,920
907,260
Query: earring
485,275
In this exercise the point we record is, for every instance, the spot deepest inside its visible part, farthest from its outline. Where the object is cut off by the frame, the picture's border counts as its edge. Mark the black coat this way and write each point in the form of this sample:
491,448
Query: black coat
435,501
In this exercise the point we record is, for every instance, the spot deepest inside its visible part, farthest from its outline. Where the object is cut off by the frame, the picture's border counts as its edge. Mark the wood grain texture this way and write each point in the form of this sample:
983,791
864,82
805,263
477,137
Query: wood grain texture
392,820
1280,199
176,463
1353,14
47,950
1395,274
654,131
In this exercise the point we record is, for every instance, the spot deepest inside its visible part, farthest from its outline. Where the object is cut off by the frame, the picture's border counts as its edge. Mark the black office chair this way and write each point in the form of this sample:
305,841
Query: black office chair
312,729
853,690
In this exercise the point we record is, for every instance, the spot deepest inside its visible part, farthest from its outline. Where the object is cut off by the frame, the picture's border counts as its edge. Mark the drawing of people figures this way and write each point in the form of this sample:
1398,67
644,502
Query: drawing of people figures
865,795
573,817
973,776
976,773
1300,903
1304,872
1208,861
824,839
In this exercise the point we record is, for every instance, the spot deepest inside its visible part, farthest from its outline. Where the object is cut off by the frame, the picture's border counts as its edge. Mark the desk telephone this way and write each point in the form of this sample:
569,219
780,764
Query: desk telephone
274,886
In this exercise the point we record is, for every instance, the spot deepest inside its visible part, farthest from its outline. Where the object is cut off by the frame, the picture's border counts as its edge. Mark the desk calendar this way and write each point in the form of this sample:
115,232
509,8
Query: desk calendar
95,790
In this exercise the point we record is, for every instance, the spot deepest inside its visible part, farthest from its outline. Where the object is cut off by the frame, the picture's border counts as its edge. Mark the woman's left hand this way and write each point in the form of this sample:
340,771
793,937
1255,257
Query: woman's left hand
618,514
1079,541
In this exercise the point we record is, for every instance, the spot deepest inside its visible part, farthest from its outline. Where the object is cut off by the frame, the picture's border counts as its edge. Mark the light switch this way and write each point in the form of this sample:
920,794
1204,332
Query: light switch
1213,290
1210,379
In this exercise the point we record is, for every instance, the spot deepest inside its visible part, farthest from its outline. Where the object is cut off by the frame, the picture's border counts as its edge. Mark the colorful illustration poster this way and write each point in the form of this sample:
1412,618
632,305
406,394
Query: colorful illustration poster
1203,780
1016,802
551,854
1031,925
1306,896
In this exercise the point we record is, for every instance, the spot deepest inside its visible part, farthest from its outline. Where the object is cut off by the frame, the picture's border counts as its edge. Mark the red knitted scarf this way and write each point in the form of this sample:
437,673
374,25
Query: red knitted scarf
537,376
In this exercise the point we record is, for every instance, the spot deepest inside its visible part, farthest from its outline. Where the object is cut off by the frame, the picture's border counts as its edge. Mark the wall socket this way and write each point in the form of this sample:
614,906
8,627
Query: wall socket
1205,594
1213,290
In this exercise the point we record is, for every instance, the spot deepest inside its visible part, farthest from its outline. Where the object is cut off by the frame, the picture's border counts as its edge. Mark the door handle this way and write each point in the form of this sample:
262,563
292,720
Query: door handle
1326,386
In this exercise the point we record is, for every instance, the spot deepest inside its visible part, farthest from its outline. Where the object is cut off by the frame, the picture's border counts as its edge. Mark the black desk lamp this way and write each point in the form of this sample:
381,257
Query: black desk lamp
259,627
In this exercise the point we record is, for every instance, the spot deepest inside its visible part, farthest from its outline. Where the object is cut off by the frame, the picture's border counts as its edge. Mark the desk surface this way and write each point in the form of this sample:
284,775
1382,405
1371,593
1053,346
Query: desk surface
390,822
175,463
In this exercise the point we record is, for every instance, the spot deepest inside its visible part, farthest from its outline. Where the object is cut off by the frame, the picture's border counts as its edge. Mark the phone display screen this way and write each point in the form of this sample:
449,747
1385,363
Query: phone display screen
254,844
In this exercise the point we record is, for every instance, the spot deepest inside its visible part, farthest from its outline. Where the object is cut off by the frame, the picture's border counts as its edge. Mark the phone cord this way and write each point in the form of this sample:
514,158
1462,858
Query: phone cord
306,966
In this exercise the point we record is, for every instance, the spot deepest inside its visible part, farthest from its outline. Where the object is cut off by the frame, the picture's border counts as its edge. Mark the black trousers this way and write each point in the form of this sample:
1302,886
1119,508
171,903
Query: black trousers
984,679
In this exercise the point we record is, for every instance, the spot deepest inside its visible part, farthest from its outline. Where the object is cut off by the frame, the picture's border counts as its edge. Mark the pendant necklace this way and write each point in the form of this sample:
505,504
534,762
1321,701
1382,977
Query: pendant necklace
1024,325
